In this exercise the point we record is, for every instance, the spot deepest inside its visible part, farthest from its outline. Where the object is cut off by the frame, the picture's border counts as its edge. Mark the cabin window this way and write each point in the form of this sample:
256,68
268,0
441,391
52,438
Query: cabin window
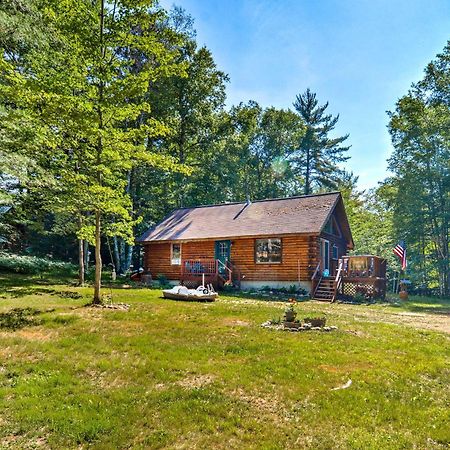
335,252
268,250
176,255
332,227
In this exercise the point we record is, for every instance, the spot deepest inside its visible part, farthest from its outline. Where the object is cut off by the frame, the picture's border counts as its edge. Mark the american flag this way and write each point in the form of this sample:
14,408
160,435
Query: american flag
400,251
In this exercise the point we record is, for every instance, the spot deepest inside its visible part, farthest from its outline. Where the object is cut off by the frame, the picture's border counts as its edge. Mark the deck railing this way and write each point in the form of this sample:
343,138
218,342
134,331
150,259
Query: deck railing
338,280
195,268
199,267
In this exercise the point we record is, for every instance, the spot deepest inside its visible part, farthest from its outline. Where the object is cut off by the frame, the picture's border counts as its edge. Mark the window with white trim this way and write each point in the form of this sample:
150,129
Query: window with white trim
335,252
268,251
175,258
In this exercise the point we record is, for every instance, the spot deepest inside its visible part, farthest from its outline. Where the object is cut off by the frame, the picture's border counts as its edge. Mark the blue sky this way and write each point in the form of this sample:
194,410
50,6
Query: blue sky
360,55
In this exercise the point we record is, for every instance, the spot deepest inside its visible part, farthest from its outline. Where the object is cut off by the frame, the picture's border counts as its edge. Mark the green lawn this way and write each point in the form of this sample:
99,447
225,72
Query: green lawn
191,375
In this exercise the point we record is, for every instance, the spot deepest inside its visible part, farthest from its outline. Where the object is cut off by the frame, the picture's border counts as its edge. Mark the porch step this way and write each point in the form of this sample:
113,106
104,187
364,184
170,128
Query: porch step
325,290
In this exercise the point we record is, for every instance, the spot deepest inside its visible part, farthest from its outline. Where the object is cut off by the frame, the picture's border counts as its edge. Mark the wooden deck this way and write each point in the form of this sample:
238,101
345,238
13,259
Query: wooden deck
194,271
355,276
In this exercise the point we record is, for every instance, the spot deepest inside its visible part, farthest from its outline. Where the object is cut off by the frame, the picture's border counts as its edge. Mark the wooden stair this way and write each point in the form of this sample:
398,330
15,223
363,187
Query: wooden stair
325,290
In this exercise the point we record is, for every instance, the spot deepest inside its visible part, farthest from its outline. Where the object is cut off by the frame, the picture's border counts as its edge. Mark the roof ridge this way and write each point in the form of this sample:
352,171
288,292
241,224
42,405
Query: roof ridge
259,201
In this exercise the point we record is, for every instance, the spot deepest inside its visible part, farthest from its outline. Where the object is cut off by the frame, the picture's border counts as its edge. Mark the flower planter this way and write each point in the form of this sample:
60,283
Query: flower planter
316,321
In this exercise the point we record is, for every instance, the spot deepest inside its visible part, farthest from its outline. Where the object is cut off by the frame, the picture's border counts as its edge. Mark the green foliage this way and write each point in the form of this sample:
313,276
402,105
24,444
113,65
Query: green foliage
418,193
22,33
162,279
25,264
86,94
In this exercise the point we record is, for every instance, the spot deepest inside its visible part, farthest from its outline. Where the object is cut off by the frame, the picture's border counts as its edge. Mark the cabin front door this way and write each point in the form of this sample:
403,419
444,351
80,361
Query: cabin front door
222,253
325,256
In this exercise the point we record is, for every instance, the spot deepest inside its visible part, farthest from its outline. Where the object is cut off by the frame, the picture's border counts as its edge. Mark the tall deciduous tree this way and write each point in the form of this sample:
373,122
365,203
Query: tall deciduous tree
85,92
318,156
420,163
261,142
190,105
21,33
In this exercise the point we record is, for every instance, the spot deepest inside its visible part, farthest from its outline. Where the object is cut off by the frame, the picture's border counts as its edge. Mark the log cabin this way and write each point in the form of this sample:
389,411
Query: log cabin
276,242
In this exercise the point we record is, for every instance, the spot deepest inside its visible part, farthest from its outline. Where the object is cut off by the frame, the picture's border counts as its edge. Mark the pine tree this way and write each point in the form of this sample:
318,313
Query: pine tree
318,156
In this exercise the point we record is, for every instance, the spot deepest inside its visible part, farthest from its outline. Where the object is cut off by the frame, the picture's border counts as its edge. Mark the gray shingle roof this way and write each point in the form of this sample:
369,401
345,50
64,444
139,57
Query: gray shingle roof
294,215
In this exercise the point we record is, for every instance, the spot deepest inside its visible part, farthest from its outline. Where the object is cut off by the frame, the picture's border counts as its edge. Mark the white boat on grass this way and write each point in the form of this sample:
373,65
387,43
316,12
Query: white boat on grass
201,294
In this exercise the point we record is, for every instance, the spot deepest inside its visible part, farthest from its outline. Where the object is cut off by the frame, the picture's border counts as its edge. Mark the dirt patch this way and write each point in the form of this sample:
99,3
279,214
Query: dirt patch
30,334
15,441
105,380
433,322
35,334
196,381
358,333
114,306
269,405
235,323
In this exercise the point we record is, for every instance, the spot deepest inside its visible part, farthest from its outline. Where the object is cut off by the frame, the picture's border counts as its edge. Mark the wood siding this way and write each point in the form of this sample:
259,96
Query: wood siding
157,257
300,255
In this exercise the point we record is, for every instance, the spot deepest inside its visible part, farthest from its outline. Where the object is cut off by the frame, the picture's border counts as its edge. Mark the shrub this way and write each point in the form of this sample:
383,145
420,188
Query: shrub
33,265
316,321
162,279
292,289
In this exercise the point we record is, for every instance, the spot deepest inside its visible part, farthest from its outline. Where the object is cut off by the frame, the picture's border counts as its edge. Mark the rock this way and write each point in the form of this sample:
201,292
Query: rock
119,306
316,328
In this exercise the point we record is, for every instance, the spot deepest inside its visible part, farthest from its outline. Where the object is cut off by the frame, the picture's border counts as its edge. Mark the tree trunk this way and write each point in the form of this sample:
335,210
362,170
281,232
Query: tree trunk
116,261
86,256
81,262
98,261
308,172
129,257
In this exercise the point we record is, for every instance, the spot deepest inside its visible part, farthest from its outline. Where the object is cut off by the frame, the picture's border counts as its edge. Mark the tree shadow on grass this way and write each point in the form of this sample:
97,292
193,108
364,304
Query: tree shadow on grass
436,306
264,296
18,318
18,286
418,304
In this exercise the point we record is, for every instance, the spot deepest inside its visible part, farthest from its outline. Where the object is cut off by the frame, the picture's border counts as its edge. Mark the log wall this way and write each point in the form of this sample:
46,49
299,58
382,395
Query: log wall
297,259
157,257
300,255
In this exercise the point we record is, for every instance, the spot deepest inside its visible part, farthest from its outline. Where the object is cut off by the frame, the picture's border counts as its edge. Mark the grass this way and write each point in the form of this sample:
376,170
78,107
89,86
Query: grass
192,375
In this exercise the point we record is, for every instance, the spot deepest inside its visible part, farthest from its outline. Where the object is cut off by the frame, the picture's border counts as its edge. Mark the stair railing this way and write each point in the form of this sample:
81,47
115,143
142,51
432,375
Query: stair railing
236,273
315,284
227,270
337,280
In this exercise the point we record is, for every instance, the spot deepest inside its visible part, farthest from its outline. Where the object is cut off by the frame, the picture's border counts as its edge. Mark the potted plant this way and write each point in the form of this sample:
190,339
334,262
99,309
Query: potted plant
403,294
290,314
